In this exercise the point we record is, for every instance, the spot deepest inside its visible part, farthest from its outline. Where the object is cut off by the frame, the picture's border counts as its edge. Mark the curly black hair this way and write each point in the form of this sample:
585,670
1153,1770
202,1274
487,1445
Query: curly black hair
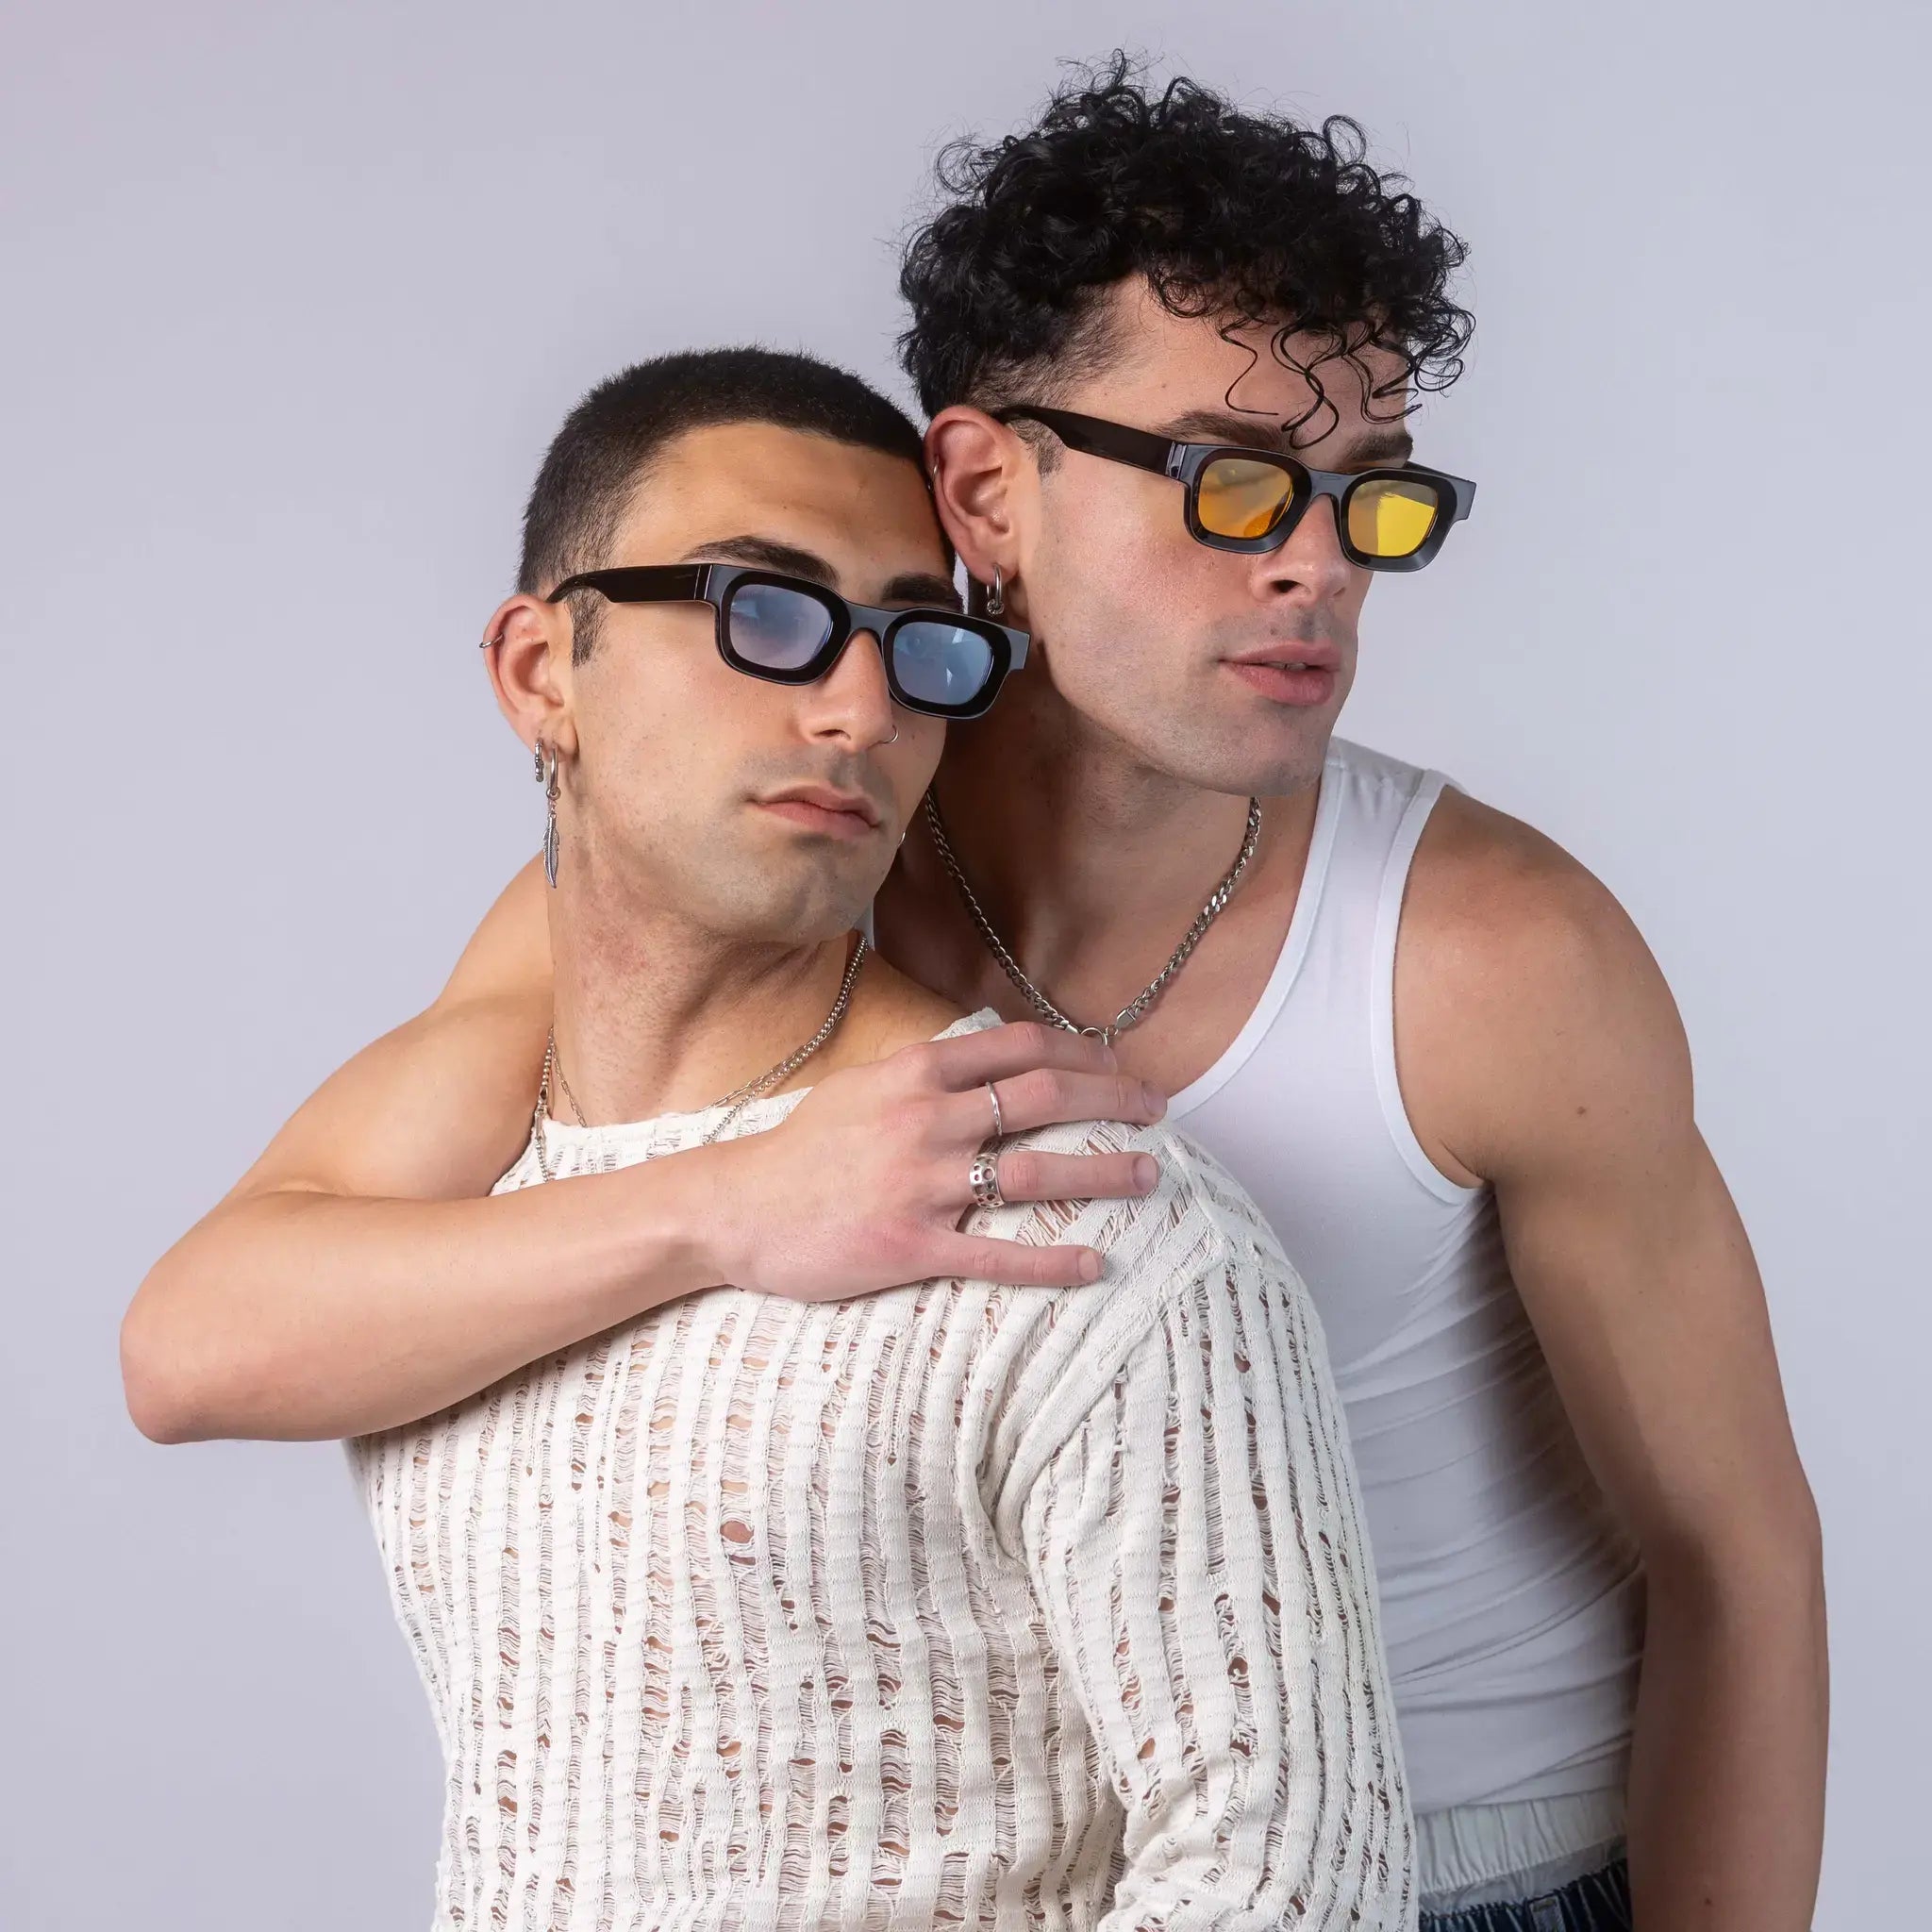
1243,217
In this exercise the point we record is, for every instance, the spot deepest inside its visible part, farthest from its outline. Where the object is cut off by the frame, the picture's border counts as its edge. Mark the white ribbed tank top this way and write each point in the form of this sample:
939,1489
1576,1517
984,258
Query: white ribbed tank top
1512,1599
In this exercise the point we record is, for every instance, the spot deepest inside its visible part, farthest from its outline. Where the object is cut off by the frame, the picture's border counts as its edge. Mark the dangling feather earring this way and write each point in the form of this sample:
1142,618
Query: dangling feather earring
546,777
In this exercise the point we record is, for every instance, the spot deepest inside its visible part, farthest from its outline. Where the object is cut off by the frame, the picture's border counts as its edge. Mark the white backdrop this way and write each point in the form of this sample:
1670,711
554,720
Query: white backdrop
295,295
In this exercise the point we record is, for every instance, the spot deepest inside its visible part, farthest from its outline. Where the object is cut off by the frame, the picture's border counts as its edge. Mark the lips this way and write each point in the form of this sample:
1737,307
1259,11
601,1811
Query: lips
1291,675
817,808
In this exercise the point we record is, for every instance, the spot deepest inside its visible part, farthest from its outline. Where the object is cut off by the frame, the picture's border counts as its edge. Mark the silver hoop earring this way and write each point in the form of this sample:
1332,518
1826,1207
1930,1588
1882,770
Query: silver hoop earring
996,597
546,777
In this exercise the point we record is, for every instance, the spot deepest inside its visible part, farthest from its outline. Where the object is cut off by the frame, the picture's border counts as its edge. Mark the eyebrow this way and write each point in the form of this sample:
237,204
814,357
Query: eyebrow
1392,445
791,559
922,587
765,552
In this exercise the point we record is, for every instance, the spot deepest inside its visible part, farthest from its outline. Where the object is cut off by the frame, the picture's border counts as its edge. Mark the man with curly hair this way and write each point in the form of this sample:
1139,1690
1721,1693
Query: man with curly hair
1168,348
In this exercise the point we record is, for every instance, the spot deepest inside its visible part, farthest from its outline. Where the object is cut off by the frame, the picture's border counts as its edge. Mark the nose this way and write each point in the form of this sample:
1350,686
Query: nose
1310,564
852,704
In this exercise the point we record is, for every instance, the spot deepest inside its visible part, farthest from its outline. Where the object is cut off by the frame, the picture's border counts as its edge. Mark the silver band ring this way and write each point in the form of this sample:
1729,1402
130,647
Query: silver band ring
985,1179
999,1127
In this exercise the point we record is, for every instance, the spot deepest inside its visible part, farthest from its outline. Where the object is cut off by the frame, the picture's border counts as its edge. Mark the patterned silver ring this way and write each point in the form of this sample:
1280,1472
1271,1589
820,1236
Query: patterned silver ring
999,1127
985,1180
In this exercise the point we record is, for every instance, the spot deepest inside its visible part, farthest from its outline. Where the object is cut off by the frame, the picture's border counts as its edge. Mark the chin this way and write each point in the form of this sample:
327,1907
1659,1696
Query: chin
795,907
1246,761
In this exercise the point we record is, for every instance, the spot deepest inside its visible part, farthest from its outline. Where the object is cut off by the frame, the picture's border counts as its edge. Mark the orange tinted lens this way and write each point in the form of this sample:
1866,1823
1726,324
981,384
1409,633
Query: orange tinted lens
1241,498
1391,517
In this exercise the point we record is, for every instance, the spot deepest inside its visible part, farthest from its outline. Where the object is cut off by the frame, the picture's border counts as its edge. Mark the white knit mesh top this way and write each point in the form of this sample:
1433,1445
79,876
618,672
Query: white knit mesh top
952,1606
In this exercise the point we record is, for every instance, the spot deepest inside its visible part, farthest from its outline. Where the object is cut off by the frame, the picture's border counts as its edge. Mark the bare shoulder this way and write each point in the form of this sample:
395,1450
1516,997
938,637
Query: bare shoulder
437,1109
1490,895
508,954
1521,986
888,1012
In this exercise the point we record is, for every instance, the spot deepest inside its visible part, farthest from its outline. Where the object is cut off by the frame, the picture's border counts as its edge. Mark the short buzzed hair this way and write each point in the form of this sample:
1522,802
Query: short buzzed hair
608,442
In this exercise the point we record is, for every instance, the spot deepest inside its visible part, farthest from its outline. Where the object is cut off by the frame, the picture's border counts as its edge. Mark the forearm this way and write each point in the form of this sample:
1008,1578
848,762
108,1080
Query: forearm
1727,1796
296,1315
354,1281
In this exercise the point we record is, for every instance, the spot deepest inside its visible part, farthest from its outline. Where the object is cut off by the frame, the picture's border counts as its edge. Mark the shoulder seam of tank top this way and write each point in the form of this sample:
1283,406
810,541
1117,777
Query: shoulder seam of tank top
1294,947
1429,788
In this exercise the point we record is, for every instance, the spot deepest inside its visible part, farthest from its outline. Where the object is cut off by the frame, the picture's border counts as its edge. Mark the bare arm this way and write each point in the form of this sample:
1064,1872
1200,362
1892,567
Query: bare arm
353,1280
1546,1043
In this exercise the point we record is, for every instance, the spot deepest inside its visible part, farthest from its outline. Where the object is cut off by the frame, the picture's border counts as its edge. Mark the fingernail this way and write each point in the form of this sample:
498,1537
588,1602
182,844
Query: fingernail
1157,1100
1090,1266
1110,1059
1145,1172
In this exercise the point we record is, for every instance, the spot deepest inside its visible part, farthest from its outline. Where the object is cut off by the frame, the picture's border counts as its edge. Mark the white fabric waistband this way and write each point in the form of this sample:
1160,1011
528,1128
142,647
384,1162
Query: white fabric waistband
1475,1855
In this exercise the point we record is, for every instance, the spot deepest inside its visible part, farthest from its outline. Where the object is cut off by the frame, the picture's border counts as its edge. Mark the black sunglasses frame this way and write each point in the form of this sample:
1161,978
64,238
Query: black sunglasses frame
1183,464
717,584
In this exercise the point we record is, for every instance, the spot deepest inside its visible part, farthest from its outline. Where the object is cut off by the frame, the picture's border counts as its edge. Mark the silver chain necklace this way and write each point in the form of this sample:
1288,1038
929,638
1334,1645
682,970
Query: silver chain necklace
737,1100
1130,1013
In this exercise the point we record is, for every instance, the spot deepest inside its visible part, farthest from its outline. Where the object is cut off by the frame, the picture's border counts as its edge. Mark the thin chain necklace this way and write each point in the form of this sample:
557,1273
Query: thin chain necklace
735,1101
1136,1007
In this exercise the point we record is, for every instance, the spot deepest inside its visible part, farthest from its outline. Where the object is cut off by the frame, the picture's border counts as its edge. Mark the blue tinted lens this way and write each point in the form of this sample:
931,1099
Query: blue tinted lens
940,663
776,628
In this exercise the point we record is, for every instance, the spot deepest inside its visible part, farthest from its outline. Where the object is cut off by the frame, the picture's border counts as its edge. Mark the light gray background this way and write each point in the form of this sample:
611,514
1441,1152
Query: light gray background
295,297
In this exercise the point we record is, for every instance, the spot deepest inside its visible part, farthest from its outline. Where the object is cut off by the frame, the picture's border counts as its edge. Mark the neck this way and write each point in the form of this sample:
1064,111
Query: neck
1080,851
656,1015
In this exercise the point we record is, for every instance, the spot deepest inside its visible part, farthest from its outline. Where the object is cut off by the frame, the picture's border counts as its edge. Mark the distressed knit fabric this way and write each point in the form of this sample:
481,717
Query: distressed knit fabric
954,1606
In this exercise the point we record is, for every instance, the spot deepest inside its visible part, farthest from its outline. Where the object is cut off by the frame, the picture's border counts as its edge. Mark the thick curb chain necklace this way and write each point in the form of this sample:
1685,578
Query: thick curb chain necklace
1136,1007
737,1100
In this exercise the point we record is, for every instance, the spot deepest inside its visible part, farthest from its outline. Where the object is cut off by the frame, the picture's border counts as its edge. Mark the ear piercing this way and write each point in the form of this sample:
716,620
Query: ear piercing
546,777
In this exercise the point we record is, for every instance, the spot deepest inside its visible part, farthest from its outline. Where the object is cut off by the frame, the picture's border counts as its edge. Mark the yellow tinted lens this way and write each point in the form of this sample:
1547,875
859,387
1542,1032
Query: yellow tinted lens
1240,498
1389,517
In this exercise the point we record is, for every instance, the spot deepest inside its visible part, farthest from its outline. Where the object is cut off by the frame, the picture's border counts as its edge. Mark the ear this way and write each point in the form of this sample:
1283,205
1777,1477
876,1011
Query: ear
528,653
984,485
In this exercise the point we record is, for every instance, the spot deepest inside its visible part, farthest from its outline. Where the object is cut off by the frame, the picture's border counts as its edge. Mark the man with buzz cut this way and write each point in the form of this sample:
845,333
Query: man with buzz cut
953,1605
1168,348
